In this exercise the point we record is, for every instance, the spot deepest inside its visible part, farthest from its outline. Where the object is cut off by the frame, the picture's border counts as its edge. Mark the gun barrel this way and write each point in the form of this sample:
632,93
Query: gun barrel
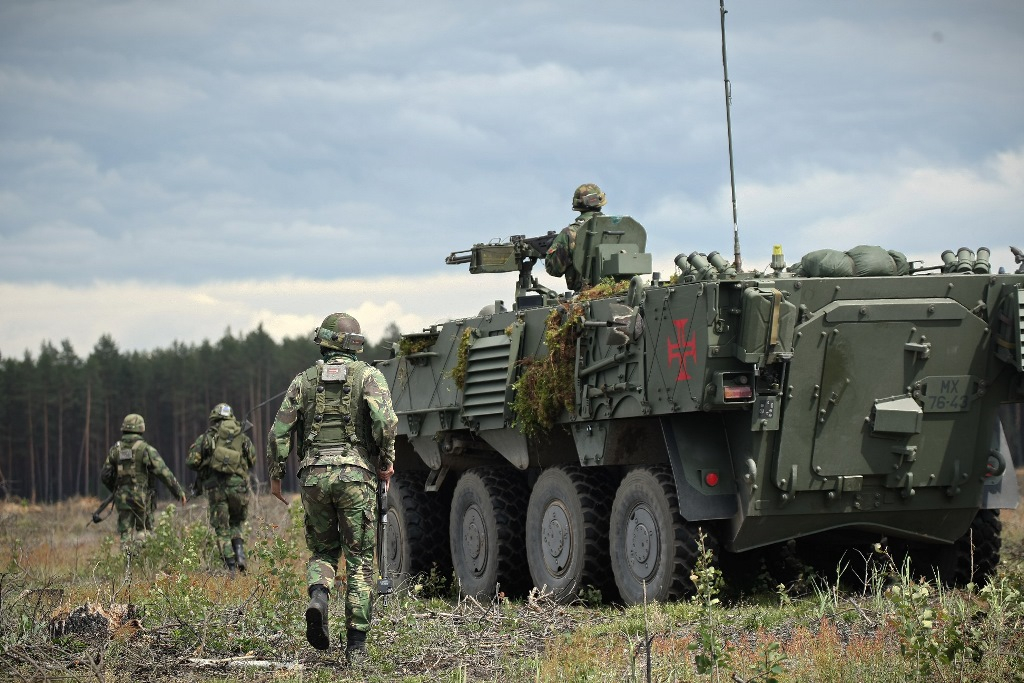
517,254
457,257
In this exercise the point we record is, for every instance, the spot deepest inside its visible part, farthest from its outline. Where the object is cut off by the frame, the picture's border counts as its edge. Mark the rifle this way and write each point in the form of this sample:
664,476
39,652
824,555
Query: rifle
246,425
96,518
384,585
520,253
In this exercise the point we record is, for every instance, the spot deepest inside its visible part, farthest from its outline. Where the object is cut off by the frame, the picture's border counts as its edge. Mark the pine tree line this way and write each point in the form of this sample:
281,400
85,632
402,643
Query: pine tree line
60,414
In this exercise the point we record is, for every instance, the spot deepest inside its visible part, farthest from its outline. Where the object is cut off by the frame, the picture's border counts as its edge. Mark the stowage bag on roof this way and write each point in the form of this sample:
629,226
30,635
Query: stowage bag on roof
861,261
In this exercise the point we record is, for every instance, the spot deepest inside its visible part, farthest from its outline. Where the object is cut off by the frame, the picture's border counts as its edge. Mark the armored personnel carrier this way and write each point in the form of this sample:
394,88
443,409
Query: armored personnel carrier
592,439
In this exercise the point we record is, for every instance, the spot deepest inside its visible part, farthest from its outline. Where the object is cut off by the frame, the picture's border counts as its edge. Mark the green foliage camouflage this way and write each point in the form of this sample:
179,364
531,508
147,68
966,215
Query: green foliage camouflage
410,345
458,373
546,385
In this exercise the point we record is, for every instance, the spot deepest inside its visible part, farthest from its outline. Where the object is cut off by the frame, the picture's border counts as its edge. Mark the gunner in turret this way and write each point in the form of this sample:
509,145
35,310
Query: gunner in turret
588,200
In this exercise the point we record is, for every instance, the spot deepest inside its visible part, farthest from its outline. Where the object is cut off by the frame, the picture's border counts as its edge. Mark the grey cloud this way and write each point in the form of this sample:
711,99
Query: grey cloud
291,136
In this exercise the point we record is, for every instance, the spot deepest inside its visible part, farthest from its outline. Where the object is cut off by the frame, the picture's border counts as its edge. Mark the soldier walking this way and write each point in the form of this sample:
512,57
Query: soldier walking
222,457
339,414
130,472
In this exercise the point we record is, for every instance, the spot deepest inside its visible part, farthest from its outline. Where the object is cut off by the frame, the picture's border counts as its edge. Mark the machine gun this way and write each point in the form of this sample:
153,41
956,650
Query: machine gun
519,253
384,585
96,516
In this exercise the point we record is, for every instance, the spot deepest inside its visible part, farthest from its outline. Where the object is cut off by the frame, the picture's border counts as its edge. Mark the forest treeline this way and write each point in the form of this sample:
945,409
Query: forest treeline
60,413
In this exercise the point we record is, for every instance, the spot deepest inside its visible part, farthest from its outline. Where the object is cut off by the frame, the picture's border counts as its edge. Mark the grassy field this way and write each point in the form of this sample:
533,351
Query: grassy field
176,615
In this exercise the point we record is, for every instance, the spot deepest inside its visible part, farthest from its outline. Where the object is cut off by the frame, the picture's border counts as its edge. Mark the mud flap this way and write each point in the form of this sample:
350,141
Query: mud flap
704,450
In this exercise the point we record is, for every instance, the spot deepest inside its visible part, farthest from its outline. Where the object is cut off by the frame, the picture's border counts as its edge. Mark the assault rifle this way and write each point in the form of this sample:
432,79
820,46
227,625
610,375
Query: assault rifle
519,253
96,516
384,585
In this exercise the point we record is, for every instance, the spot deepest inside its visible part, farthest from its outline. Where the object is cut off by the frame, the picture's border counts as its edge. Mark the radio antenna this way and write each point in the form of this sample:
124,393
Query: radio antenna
728,127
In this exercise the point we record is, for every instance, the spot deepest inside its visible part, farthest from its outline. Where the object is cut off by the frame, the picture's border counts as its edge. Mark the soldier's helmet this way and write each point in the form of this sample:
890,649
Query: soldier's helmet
340,332
133,423
587,197
221,411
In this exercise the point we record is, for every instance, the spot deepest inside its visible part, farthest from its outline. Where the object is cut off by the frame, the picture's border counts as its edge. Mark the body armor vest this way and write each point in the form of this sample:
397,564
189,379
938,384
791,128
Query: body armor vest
226,454
333,430
130,468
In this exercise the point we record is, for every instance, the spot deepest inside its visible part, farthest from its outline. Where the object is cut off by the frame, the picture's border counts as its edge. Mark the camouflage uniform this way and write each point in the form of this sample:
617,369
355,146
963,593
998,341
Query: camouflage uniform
339,413
588,200
222,457
130,472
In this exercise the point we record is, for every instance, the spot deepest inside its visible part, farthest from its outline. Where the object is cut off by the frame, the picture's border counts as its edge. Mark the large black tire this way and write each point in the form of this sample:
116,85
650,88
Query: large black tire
487,529
417,528
653,549
567,531
972,558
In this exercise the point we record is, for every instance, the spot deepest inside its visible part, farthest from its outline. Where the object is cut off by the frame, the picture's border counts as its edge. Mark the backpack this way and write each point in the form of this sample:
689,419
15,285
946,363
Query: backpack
226,454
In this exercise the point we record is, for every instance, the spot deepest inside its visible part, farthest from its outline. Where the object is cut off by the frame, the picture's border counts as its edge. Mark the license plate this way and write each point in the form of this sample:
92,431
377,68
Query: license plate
950,394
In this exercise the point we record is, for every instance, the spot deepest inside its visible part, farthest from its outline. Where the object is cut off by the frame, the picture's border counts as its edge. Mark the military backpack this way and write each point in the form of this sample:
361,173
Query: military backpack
227,456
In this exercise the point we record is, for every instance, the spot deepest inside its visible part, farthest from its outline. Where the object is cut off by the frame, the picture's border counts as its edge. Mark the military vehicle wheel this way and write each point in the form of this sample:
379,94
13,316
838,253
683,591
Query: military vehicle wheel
653,549
972,558
487,528
417,528
567,531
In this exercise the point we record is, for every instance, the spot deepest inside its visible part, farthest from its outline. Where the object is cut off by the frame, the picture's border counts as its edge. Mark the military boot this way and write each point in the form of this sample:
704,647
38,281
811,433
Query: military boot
229,561
355,651
316,618
240,559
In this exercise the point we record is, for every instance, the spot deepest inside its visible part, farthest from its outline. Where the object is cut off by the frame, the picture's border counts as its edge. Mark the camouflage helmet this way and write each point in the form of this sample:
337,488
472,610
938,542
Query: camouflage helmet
221,411
587,197
340,332
134,423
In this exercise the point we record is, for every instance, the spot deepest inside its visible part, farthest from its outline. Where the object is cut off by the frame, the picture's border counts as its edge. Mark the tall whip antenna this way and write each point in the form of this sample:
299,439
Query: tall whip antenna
728,126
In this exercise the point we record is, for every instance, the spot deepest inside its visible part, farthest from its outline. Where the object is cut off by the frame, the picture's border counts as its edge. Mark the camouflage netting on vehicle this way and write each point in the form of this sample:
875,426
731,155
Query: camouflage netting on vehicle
861,261
545,386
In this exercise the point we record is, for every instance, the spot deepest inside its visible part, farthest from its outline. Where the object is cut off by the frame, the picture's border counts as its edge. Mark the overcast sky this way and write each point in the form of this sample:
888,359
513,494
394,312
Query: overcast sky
172,169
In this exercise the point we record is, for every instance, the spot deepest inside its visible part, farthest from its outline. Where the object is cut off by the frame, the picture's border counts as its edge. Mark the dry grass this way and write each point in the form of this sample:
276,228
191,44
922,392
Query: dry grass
201,624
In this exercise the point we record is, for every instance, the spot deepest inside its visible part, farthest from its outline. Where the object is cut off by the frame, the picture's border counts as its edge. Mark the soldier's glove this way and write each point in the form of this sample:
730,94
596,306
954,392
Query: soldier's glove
96,519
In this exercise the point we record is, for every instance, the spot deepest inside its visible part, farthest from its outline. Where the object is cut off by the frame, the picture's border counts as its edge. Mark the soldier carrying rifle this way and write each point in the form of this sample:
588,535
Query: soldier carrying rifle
222,457
130,472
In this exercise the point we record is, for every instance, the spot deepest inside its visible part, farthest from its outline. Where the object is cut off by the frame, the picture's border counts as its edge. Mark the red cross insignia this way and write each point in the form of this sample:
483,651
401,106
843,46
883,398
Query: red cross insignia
683,350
